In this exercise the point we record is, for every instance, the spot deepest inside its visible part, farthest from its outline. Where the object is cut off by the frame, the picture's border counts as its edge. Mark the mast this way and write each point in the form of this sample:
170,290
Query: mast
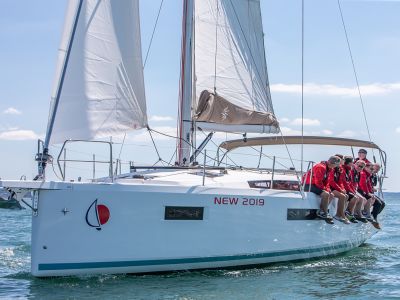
42,158
185,125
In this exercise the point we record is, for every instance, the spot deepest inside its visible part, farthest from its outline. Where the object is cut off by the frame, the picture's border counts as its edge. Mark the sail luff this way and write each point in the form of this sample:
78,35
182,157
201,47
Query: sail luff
103,88
234,78
53,108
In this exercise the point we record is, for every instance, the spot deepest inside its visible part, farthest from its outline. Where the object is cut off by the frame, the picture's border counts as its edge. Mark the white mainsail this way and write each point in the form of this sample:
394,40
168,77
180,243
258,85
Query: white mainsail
230,73
102,92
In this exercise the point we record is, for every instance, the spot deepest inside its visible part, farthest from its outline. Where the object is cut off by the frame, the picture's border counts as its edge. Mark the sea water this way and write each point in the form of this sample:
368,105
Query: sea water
367,272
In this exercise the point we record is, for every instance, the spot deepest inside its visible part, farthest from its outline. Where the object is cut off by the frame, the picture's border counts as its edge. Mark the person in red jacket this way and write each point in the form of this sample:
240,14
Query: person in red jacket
355,180
362,155
347,180
366,190
316,181
338,190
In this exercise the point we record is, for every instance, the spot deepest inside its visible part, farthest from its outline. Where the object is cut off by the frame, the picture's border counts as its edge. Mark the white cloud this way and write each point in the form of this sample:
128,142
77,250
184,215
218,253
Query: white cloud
348,134
327,132
398,129
306,122
12,111
334,90
284,120
18,135
289,131
155,118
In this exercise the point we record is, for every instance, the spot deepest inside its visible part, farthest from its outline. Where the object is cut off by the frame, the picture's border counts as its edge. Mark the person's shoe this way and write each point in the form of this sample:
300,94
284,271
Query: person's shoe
343,220
369,218
321,214
360,218
325,216
350,217
376,225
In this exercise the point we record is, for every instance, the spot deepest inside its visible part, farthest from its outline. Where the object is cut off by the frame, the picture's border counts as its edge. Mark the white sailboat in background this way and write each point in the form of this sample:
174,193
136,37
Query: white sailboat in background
185,216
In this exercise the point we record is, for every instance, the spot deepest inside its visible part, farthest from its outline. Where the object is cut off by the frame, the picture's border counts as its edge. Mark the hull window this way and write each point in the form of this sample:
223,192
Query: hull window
301,214
286,185
184,213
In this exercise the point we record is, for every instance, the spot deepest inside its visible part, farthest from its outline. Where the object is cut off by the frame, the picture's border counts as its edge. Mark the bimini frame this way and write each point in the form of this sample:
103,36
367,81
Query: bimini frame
306,140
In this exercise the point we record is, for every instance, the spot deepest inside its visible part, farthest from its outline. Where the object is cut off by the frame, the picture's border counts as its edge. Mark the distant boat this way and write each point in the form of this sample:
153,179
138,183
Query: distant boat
187,215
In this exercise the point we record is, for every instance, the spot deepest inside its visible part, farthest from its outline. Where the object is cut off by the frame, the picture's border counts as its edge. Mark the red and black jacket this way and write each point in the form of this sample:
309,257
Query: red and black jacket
346,179
320,176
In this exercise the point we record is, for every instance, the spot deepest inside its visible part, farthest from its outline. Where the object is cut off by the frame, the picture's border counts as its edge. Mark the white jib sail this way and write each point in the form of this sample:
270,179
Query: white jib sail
102,93
231,80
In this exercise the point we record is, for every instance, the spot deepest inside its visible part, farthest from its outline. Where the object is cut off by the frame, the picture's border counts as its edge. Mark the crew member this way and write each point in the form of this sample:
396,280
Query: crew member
316,181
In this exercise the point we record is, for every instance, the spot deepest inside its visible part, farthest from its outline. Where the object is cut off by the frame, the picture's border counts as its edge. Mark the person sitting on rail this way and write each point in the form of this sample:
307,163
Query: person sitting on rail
355,180
379,204
362,155
366,190
346,179
338,190
316,181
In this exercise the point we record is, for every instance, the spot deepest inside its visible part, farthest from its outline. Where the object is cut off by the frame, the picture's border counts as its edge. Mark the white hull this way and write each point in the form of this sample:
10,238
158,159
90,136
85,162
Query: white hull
137,238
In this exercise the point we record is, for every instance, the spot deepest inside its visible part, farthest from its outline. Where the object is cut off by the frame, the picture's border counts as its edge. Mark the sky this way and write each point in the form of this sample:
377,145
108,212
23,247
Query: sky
30,33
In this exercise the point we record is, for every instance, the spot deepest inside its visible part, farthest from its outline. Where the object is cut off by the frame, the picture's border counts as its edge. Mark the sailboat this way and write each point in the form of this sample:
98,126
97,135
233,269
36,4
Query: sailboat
188,215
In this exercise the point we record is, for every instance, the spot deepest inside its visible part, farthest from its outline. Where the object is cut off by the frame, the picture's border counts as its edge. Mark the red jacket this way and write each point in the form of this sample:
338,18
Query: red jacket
334,180
320,174
365,184
345,178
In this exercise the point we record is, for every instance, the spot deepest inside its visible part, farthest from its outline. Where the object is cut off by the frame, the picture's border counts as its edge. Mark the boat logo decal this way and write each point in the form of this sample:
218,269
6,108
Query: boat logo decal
97,215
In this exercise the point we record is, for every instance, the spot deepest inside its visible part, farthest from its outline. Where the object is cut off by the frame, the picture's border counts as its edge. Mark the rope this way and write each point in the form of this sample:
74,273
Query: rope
152,35
355,74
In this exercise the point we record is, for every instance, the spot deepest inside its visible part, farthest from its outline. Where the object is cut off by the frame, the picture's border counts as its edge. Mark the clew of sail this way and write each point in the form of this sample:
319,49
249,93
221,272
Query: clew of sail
100,84
231,81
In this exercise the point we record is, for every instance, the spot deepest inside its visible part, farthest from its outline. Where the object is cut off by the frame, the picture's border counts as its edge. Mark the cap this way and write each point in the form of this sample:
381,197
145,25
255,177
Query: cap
362,151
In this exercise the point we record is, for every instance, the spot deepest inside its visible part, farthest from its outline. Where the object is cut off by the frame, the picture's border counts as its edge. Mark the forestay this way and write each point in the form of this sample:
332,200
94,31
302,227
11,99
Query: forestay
102,93
231,81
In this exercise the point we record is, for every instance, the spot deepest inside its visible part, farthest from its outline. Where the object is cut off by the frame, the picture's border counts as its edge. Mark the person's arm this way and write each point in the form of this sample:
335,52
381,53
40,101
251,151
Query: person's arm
333,184
346,184
318,177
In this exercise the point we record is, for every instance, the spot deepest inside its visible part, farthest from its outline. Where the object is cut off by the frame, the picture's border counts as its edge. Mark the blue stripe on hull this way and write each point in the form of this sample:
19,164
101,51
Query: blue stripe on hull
139,263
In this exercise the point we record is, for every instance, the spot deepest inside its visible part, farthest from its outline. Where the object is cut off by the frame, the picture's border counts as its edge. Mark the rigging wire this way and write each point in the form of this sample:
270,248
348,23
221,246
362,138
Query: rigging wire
152,35
294,168
302,85
355,75
122,146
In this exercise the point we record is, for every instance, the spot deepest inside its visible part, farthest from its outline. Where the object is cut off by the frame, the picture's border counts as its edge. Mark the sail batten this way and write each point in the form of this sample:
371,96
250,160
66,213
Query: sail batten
231,80
102,93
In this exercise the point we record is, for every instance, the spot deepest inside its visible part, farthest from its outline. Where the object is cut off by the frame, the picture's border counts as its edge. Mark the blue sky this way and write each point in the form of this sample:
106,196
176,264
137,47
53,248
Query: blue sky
30,32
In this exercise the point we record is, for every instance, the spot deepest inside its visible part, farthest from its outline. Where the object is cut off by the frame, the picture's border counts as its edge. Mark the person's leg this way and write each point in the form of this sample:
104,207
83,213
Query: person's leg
341,204
352,204
368,205
376,208
325,198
